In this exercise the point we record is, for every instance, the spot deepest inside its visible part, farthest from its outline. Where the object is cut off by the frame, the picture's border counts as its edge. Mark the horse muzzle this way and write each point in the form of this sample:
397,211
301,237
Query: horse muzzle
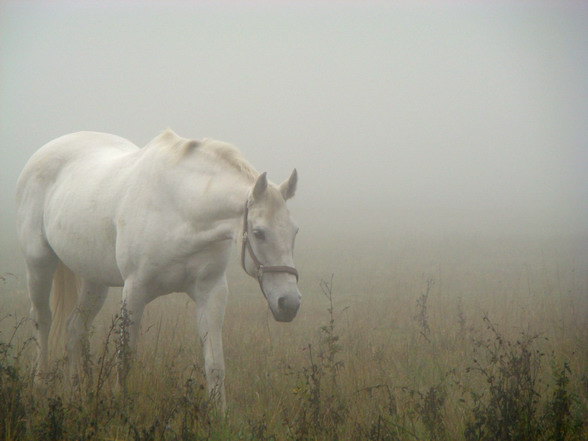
286,307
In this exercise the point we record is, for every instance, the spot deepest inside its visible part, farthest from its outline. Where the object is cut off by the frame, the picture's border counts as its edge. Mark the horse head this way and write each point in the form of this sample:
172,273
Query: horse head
268,245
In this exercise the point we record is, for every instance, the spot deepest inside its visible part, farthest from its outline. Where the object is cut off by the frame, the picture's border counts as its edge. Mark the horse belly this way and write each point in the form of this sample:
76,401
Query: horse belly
80,227
86,244
87,248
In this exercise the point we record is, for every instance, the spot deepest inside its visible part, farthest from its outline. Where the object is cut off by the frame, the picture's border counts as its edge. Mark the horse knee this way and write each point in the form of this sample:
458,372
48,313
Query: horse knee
215,373
215,377
74,335
41,318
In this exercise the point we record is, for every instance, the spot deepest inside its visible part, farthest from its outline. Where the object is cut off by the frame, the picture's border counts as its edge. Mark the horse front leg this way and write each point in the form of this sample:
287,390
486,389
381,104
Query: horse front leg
210,313
133,304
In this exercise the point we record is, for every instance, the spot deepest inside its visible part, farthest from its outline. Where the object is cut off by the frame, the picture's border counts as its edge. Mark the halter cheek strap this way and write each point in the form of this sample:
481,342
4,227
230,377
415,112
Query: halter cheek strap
260,269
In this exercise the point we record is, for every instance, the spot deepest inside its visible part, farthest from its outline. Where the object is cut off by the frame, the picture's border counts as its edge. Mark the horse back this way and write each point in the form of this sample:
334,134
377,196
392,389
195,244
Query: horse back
46,163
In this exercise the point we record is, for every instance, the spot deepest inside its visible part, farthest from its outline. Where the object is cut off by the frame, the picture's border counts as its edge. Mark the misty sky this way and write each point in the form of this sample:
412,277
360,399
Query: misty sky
403,117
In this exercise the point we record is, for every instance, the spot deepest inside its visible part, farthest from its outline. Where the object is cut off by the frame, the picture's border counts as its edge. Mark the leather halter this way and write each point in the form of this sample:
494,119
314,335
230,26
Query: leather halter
260,269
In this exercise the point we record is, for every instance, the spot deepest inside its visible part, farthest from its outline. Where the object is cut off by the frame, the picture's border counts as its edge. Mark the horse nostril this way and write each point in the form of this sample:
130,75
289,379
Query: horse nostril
282,302
287,307
288,304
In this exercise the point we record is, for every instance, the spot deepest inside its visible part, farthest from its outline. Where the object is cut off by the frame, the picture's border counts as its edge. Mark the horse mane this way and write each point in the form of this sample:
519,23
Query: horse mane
230,155
170,140
218,150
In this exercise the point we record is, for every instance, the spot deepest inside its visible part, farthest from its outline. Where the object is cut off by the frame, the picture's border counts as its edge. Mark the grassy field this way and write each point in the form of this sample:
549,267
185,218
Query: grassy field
456,339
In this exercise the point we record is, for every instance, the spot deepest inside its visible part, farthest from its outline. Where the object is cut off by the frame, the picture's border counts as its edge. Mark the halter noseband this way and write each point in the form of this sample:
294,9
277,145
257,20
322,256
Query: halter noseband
260,269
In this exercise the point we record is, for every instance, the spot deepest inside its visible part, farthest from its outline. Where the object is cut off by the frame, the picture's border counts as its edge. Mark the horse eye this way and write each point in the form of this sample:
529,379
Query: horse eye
259,234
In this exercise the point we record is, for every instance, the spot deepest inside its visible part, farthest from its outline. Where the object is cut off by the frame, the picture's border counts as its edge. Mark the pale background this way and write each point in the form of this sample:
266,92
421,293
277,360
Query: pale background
444,119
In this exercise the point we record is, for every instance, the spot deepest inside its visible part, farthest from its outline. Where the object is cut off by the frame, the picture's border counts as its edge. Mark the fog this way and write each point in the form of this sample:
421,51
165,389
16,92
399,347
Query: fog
403,119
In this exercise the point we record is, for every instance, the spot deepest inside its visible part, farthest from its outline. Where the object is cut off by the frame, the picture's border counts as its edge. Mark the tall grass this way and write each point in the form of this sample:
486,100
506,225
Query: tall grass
391,348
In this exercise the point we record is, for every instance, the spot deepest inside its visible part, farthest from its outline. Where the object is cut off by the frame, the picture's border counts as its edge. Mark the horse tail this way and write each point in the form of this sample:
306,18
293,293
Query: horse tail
63,302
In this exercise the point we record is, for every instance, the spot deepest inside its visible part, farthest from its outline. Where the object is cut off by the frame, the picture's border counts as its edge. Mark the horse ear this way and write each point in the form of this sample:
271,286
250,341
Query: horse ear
288,187
260,186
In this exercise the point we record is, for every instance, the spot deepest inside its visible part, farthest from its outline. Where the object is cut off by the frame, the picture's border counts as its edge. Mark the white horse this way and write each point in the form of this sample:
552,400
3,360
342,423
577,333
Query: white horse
153,220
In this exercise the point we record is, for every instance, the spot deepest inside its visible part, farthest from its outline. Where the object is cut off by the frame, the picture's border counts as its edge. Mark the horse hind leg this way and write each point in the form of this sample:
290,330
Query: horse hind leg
90,301
39,277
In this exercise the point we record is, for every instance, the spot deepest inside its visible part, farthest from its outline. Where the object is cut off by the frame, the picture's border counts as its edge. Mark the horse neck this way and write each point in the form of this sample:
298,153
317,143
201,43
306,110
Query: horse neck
235,197
223,198
202,192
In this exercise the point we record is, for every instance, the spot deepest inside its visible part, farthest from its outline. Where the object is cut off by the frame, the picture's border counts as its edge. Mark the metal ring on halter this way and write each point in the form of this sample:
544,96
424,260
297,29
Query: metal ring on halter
260,269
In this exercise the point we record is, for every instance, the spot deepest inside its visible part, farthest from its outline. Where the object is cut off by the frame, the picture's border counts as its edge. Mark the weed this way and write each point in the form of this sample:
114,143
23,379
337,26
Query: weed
507,410
510,408
388,389
123,347
321,405
194,409
52,426
560,422
259,432
430,408
12,387
422,315
385,426
461,318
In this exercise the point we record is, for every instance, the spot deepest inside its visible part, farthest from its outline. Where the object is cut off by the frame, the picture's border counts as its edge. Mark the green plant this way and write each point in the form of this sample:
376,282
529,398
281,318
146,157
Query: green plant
12,387
322,408
560,422
422,315
52,426
430,409
508,409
